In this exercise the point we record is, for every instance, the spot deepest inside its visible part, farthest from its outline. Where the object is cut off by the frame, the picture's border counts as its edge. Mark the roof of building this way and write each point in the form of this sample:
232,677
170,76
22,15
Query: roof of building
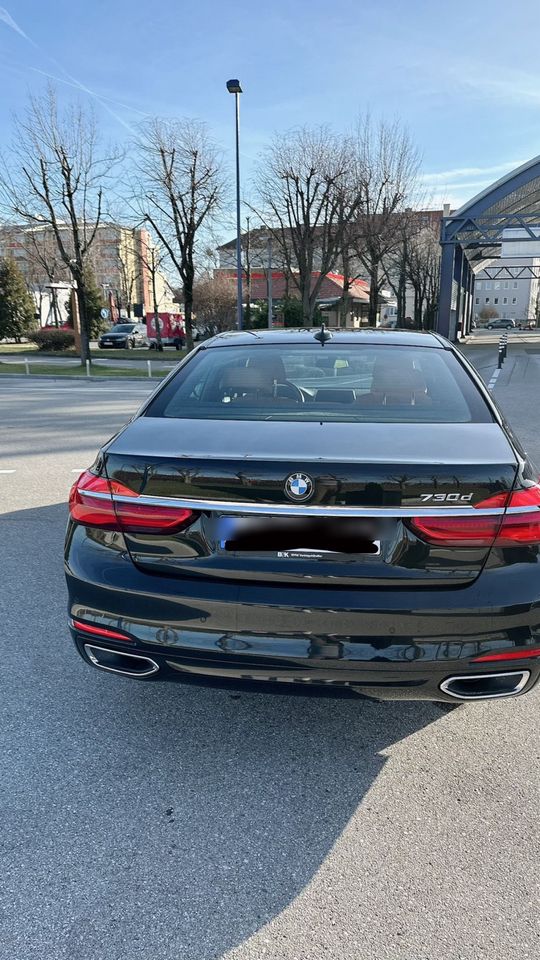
331,287
426,217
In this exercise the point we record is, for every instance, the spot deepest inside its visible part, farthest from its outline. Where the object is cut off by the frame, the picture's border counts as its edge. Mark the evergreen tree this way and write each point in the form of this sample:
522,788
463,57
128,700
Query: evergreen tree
17,307
94,304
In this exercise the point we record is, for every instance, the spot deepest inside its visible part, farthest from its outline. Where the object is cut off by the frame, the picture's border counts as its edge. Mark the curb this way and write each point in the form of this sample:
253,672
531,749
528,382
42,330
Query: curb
84,379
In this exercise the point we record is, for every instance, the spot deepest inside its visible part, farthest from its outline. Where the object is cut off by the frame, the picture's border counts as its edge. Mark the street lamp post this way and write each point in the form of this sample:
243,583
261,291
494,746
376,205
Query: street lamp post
233,86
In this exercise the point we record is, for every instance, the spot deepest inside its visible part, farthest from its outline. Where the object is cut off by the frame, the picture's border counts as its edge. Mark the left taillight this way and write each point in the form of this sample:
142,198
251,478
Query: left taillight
91,504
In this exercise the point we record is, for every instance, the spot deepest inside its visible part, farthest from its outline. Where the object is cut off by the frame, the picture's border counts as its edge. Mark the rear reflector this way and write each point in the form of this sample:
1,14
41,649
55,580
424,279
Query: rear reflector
96,631
503,530
91,504
513,655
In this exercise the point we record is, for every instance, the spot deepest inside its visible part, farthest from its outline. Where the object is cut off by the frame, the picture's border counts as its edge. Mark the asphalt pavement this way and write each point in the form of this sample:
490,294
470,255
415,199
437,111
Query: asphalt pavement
156,822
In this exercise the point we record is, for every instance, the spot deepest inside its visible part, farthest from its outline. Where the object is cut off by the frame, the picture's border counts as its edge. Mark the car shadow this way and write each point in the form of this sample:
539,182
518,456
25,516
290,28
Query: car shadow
152,819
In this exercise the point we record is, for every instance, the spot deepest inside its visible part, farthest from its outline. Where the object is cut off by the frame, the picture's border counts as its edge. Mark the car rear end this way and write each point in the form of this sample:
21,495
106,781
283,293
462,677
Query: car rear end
378,536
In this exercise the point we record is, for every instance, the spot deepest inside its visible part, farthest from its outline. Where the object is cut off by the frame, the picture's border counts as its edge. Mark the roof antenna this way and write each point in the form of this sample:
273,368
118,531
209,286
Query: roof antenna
323,335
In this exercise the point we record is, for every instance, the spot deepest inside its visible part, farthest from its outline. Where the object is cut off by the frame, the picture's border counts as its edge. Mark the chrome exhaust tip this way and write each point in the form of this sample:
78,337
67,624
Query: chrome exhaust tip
486,686
116,661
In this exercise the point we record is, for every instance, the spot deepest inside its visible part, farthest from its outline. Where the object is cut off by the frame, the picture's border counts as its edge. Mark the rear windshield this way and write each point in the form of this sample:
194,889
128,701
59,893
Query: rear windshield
353,382
122,328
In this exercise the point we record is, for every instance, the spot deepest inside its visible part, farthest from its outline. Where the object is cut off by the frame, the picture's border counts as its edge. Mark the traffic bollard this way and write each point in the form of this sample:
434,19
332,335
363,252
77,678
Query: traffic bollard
27,366
87,368
149,365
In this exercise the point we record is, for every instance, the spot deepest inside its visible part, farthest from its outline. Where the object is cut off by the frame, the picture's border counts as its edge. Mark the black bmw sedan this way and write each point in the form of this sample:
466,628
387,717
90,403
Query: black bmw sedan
126,335
305,511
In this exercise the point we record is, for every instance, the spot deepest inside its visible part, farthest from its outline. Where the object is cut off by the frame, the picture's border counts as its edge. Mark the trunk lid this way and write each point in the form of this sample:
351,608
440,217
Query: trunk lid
366,479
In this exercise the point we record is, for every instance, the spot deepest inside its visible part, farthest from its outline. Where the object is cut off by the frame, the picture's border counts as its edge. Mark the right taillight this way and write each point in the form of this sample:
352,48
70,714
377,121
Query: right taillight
91,503
500,530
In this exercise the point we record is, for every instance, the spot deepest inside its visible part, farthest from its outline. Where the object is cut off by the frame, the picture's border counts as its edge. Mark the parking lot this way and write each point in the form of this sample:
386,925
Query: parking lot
168,823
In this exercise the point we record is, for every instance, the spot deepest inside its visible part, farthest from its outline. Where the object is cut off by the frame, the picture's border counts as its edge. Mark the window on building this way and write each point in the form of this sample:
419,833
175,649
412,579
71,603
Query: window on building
495,299
478,284
487,299
506,284
515,284
497,285
488,284
514,299
477,299
505,299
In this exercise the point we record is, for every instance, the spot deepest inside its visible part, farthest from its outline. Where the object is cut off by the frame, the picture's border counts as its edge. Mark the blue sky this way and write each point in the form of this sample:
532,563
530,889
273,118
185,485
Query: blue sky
463,76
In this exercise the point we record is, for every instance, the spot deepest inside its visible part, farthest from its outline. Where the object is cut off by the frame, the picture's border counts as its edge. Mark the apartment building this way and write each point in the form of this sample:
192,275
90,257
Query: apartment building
121,259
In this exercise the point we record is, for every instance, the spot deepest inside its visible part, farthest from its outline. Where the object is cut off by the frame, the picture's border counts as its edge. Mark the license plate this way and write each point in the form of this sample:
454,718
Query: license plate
299,537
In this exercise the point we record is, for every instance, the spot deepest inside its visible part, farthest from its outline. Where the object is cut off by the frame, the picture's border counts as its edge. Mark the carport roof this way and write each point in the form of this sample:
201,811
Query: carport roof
511,202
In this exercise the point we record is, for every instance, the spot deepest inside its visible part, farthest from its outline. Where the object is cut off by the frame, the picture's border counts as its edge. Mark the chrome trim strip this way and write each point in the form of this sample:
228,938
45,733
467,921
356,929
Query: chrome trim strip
88,647
305,509
524,674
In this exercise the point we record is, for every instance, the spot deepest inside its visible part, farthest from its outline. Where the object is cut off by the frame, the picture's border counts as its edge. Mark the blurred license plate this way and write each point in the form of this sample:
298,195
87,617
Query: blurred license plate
299,537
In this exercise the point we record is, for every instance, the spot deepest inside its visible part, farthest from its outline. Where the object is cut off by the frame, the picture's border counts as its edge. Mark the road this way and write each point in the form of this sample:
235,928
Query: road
152,822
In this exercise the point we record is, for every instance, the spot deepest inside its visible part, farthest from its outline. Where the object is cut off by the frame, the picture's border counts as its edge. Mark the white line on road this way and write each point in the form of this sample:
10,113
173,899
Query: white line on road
7,471
493,380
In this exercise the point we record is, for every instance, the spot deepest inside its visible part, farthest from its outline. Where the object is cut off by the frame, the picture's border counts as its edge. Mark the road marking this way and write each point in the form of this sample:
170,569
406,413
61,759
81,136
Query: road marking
493,380
7,471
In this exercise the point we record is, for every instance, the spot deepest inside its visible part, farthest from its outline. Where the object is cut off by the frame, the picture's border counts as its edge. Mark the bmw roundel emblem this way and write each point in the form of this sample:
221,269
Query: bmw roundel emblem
299,486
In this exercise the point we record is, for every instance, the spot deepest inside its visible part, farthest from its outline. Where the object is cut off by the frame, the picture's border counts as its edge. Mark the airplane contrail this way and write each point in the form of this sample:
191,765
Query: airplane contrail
5,17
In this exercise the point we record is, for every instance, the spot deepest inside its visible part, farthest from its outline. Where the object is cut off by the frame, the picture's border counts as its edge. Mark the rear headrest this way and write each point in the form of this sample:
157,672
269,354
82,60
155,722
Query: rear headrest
396,378
270,365
245,378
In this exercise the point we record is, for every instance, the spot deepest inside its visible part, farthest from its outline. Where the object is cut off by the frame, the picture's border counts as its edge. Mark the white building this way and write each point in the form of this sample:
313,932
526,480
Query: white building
513,294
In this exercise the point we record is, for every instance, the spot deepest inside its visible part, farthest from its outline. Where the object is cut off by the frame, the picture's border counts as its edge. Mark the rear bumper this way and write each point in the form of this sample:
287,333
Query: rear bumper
398,644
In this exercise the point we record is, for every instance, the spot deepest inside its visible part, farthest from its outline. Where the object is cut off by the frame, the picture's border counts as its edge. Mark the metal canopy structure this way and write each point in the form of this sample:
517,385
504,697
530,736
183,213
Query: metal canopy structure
472,237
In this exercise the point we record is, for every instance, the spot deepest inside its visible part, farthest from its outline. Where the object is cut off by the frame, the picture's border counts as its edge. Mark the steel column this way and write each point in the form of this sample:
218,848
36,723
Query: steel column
445,292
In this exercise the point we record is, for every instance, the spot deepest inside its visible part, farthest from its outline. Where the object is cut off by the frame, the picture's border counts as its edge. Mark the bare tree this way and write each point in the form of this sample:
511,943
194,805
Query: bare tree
45,266
215,304
304,198
129,269
421,266
488,313
179,193
386,165
56,177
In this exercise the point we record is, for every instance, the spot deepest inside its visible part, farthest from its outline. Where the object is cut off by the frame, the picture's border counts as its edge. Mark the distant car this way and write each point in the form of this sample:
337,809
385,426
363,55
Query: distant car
127,335
502,324
65,325
296,512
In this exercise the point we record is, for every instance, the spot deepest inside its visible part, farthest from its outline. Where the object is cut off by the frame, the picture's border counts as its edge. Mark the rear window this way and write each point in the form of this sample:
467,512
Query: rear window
353,382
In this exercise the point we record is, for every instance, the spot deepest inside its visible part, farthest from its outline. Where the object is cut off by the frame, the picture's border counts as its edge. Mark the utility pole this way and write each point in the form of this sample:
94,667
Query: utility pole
270,304
247,312
233,86
159,344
